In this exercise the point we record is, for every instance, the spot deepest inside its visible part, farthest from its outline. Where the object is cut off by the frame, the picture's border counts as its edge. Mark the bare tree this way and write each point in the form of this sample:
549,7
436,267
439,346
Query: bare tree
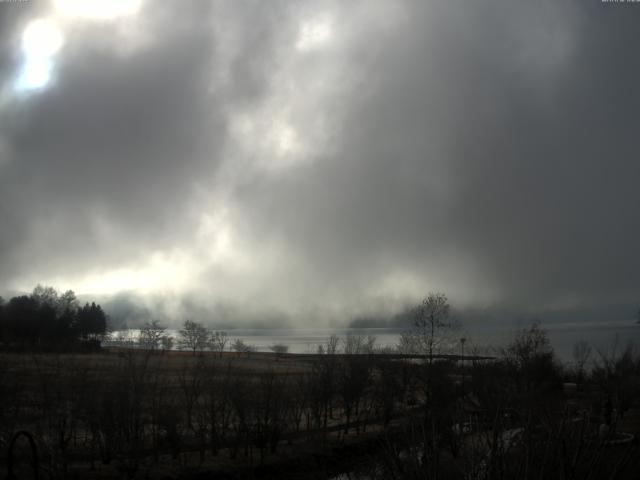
323,382
528,344
358,344
167,342
353,379
532,364
409,343
241,347
331,347
151,335
192,382
218,341
217,408
431,325
193,336
581,354
279,348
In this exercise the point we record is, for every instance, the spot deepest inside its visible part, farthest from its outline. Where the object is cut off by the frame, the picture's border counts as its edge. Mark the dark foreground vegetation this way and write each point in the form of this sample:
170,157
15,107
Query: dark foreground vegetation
148,413
46,320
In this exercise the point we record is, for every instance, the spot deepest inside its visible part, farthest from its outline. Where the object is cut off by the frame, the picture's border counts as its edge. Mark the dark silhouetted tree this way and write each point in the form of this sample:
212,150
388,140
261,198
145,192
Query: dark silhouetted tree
151,335
68,302
279,348
45,296
92,321
218,341
166,341
193,336
431,324
21,317
242,347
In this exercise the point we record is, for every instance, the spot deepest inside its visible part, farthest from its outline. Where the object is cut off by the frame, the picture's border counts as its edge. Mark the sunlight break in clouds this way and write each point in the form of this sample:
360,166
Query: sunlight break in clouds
161,272
314,34
43,38
287,142
175,270
41,41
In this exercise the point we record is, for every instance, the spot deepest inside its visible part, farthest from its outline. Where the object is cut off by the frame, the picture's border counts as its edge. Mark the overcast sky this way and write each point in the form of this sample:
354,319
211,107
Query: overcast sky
322,159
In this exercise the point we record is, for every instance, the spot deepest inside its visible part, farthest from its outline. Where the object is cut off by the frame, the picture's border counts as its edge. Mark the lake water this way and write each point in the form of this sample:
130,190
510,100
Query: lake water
601,336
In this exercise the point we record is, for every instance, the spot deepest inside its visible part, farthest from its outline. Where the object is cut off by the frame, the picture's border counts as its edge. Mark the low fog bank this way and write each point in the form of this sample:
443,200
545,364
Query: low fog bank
131,310
509,316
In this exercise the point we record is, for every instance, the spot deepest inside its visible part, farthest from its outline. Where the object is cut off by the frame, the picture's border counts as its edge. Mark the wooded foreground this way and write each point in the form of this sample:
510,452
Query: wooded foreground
146,414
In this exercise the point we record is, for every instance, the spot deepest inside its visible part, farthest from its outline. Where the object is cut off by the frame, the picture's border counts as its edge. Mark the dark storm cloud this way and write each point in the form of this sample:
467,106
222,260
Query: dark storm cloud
491,145
486,149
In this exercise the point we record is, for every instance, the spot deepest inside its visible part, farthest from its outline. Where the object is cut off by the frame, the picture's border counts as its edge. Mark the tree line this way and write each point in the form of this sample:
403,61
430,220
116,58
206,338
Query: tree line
432,328
46,317
196,338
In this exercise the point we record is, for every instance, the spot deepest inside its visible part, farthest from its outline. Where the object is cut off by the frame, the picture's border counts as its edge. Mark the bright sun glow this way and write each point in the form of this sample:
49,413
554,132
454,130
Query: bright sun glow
314,34
174,270
97,9
41,41
161,272
41,38
286,140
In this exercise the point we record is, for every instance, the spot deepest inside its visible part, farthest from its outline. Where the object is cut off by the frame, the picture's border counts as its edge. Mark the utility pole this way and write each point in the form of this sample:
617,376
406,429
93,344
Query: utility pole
462,341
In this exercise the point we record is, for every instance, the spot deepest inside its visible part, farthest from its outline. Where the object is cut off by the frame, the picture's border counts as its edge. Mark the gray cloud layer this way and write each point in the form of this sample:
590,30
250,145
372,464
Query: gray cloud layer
486,149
